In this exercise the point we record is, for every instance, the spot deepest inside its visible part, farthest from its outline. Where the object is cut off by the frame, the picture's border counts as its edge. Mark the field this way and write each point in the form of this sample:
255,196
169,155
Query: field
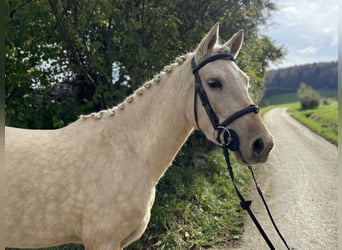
292,97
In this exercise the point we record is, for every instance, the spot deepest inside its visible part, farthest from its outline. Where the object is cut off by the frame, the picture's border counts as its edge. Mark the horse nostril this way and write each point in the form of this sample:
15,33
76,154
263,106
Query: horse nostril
258,146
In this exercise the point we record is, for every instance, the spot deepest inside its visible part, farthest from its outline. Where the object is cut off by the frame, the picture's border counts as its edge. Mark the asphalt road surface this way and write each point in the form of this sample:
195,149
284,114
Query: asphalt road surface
299,182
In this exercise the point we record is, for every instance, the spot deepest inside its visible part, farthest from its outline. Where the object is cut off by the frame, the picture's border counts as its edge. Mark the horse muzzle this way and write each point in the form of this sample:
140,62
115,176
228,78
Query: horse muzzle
256,152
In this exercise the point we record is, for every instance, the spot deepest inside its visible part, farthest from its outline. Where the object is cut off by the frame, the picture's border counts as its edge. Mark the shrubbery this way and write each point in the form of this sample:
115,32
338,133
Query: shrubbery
308,97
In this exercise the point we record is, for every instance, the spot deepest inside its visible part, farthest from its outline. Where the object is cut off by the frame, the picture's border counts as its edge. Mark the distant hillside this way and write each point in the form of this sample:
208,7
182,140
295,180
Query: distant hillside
323,77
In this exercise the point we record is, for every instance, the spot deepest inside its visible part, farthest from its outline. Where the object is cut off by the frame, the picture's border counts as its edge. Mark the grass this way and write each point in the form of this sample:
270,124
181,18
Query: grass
281,99
292,97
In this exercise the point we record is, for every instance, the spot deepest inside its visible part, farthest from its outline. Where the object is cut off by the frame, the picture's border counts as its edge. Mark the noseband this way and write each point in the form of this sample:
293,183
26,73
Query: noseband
219,128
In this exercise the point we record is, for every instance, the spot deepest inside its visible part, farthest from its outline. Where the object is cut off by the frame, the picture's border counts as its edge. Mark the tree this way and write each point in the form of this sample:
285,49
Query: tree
319,76
72,57
308,97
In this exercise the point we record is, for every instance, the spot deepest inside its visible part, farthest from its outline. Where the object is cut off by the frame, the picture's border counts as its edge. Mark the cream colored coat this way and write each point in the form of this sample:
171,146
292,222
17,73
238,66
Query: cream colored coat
93,181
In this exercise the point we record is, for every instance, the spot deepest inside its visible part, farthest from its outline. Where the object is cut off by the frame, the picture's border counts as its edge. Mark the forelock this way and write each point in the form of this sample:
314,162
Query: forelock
224,49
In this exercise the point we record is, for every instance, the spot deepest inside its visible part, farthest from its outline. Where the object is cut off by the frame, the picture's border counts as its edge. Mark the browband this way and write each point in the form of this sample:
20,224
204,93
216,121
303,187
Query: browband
210,59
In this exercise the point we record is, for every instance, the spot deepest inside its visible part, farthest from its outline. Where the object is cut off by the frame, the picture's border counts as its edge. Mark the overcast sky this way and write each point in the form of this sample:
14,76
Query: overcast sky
308,30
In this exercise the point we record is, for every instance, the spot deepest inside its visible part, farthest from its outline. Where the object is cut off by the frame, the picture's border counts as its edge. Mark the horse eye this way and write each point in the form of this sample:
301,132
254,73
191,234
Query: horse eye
214,83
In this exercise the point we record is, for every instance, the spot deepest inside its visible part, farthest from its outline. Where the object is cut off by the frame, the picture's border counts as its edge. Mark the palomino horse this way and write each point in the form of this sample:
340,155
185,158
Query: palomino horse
93,181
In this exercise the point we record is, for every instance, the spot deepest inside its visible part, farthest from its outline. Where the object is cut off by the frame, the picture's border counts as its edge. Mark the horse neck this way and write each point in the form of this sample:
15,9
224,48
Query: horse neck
155,121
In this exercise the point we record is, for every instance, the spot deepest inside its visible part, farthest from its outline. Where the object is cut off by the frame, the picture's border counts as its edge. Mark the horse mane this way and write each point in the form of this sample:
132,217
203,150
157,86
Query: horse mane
138,92
147,85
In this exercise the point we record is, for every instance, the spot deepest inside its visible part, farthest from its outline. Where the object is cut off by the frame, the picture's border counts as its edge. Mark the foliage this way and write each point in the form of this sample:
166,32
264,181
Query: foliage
85,56
308,98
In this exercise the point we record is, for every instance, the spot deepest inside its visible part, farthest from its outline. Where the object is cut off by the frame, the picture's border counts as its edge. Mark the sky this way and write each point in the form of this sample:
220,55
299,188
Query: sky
307,29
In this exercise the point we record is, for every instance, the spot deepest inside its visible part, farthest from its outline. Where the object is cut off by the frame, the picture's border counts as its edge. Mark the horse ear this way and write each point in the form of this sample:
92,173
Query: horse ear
208,42
235,43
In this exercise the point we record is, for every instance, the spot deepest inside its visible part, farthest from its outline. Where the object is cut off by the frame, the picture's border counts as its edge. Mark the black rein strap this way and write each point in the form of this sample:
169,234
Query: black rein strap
246,205
230,139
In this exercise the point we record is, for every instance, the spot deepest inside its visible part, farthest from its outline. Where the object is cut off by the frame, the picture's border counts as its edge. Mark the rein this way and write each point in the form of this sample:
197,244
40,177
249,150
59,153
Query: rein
230,140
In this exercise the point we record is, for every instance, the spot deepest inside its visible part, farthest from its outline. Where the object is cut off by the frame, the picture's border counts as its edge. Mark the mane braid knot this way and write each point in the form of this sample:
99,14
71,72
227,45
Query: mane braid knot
139,92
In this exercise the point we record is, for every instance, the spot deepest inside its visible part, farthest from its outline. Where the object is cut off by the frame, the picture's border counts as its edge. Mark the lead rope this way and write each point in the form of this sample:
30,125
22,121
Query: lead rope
267,209
246,204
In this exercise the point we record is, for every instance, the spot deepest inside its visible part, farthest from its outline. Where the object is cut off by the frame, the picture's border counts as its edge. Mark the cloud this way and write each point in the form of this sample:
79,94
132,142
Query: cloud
308,29
308,50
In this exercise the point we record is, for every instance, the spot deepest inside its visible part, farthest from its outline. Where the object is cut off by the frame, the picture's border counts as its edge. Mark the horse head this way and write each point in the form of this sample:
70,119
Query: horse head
222,88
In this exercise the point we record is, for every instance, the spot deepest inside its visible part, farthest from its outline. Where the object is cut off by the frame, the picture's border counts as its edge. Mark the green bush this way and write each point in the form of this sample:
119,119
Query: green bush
308,97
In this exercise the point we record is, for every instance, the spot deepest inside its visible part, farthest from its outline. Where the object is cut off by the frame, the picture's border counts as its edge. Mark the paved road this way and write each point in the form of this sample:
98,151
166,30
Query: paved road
300,184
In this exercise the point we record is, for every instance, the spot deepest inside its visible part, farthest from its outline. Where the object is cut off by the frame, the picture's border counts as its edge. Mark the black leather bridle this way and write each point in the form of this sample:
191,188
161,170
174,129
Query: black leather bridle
215,122
230,139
